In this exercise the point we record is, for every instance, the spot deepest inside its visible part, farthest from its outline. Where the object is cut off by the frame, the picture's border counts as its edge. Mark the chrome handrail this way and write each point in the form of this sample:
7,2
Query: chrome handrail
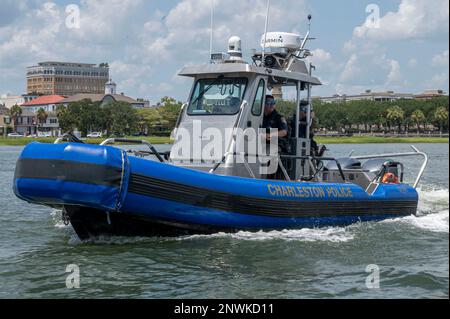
69,136
131,141
415,153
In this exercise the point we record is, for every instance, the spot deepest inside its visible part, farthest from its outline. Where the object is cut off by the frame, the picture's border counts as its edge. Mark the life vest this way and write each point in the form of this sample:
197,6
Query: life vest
389,178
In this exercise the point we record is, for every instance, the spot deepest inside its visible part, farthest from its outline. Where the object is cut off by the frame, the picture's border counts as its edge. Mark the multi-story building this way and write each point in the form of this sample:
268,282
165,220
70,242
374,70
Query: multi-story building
28,123
60,78
367,96
381,96
25,123
430,94
48,103
5,120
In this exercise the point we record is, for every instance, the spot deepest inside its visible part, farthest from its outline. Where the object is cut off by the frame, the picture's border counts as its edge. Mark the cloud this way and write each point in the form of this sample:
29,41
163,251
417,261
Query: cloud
441,60
142,46
395,76
320,56
10,11
146,42
412,63
415,19
186,27
370,69
439,81
370,61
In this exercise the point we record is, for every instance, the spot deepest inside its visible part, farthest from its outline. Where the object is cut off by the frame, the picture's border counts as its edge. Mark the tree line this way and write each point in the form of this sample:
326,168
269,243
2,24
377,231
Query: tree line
399,116
119,118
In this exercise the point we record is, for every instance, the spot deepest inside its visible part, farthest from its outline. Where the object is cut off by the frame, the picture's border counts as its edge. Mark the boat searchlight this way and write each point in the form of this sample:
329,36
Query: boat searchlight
235,48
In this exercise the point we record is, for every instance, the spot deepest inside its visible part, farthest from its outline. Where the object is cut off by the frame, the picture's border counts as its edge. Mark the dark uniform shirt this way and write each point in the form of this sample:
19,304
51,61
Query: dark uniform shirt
275,121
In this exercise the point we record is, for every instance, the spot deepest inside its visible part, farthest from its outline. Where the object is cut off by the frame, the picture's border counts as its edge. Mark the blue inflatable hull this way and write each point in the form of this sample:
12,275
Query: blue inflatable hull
104,191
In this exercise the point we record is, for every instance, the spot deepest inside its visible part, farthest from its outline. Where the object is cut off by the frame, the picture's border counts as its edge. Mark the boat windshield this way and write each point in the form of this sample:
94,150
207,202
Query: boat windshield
220,96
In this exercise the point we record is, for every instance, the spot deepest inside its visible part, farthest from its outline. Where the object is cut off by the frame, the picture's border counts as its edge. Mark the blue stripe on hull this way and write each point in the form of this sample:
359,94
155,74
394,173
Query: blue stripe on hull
152,208
260,188
56,193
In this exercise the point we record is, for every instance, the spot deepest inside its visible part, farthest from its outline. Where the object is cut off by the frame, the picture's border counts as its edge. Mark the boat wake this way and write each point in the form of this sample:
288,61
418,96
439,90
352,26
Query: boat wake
436,222
431,198
433,211
433,215
329,234
112,240
57,219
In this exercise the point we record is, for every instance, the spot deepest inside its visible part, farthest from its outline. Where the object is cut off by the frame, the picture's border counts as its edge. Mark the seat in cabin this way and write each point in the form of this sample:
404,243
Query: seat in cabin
346,163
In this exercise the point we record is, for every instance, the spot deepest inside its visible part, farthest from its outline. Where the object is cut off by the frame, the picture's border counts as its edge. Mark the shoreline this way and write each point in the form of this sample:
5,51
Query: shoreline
381,140
320,140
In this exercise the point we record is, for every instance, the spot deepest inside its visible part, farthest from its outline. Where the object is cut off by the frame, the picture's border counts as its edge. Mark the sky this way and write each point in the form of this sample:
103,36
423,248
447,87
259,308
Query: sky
399,45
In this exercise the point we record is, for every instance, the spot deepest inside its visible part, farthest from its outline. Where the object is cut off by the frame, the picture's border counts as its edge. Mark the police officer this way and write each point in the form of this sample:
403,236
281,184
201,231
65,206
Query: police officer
303,126
276,126
273,120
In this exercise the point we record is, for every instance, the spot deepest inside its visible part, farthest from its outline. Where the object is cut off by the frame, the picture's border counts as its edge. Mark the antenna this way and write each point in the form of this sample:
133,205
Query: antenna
307,34
265,32
212,32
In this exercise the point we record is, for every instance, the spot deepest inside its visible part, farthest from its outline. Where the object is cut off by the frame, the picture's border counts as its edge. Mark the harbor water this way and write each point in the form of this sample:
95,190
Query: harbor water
411,253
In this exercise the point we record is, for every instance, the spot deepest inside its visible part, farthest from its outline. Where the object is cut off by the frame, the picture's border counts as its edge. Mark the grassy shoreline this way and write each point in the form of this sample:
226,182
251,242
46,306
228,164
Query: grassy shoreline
25,141
380,140
321,140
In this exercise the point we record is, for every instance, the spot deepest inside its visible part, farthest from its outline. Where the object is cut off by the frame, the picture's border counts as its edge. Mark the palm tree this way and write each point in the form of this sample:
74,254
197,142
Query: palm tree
441,116
418,117
396,115
15,111
41,117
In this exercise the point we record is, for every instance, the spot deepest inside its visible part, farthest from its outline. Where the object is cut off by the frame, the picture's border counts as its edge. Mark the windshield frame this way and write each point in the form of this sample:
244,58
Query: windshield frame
188,108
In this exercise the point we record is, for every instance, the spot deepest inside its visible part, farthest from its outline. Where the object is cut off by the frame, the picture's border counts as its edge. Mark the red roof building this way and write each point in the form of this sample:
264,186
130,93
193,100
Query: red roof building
45,100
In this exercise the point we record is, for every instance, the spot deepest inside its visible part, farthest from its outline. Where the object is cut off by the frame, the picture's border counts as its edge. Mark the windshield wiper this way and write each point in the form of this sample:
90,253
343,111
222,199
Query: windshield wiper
220,77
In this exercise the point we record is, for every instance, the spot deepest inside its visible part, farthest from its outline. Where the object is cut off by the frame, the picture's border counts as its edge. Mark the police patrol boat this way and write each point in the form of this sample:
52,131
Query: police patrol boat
104,190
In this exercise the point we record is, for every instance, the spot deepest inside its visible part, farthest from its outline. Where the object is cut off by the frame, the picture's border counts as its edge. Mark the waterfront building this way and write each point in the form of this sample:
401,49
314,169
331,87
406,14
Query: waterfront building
429,94
387,96
367,96
47,102
25,123
65,78
5,120
110,95
105,99
8,100
28,124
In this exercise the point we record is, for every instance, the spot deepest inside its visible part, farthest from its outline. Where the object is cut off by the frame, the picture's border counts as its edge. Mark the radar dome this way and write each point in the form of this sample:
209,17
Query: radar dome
286,40
235,48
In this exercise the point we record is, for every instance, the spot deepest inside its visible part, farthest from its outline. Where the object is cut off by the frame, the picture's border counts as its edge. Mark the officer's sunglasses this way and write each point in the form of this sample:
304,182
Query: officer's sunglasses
270,102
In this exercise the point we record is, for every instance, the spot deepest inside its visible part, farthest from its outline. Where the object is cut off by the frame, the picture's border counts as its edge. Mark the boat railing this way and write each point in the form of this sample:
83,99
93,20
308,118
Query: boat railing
415,152
70,137
280,162
314,158
153,150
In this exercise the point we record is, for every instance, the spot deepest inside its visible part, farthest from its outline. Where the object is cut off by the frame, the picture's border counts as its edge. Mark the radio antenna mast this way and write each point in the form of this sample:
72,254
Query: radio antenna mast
307,34
265,33
212,32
